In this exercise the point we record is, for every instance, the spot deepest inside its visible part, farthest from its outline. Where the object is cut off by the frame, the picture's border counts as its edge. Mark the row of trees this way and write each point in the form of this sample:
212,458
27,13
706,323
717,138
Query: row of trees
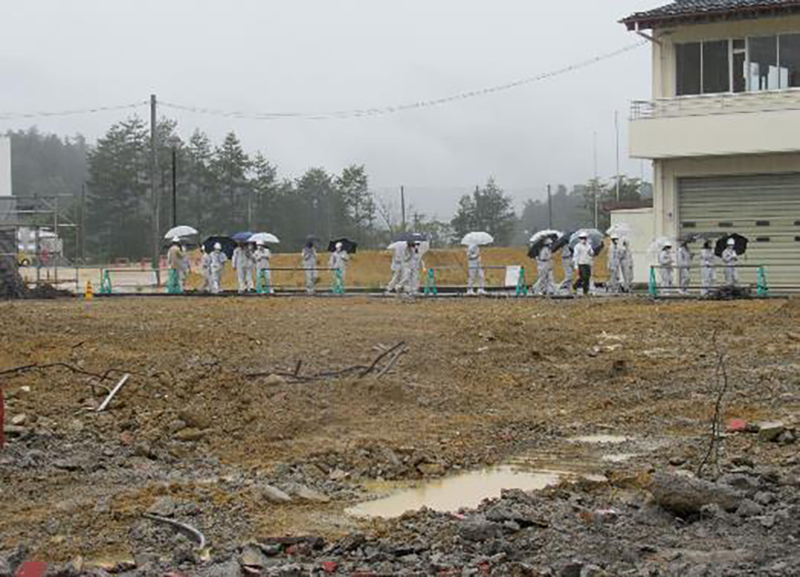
223,190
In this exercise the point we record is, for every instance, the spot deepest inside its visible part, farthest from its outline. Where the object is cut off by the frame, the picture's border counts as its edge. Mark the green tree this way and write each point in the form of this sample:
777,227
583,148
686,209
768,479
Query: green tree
359,204
230,166
488,209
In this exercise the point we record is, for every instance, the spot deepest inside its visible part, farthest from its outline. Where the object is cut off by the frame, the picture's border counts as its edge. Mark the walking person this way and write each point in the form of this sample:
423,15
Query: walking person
244,264
310,262
707,264
684,262
476,272
217,260
626,265
338,263
175,261
398,253
261,257
730,258
412,262
583,258
544,265
205,264
665,263
614,264
566,264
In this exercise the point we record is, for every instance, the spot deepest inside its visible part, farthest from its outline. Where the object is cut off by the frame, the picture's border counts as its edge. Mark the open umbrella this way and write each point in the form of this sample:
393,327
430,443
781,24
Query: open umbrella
424,246
595,238
477,239
228,244
562,241
180,232
411,237
264,237
740,244
620,229
538,239
348,245
242,236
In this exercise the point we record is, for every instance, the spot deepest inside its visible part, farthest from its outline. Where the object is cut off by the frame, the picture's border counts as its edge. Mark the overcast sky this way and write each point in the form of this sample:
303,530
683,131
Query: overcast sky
322,55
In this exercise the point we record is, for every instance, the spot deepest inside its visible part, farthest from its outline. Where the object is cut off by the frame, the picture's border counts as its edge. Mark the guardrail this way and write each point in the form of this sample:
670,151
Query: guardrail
704,105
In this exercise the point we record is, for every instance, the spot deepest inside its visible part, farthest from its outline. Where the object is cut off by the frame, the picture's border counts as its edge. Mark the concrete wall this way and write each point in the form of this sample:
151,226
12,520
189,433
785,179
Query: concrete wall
641,222
5,166
667,172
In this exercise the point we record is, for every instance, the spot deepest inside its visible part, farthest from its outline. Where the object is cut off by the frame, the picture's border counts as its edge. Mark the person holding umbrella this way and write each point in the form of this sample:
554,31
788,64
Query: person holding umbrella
217,260
707,266
665,263
582,259
338,262
684,262
566,264
729,258
175,261
243,262
261,258
310,262
398,253
412,261
544,265
476,274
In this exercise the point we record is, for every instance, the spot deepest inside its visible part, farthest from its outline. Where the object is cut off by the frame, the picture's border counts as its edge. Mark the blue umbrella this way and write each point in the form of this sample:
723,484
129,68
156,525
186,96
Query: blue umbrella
242,236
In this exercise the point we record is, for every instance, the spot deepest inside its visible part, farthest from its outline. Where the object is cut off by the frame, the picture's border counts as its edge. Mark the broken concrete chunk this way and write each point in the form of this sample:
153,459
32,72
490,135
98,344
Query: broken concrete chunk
770,431
273,494
685,496
189,435
305,493
275,380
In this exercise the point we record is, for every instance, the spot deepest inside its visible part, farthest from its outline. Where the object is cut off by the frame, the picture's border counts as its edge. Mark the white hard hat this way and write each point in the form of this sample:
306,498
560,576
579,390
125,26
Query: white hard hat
614,237
731,242
339,245
217,246
667,244
176,239
548,240
260,243
583,235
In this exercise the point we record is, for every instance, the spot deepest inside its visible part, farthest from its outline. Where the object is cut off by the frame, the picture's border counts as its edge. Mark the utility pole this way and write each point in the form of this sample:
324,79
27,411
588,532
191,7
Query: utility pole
403,206
174,186
549,209
595,183
155,188
616,131
82,228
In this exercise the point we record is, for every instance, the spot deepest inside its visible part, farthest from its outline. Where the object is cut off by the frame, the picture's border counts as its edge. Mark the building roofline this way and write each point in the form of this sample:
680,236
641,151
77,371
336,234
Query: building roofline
652,20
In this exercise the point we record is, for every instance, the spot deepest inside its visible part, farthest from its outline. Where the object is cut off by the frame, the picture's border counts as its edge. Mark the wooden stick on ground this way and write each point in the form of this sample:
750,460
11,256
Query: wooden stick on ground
113,392
392,362
187,530
380,358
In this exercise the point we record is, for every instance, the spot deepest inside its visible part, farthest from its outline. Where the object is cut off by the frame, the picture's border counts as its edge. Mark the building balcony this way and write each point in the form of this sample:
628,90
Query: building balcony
716,125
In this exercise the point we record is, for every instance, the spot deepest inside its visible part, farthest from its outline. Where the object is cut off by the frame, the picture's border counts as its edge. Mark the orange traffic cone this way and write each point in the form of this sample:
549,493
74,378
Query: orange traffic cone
89,294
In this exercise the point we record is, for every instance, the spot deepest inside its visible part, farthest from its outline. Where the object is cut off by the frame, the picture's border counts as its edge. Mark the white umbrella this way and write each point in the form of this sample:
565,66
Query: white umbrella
264,237
401,245
477,239
543,233
620,229
180,231
658,245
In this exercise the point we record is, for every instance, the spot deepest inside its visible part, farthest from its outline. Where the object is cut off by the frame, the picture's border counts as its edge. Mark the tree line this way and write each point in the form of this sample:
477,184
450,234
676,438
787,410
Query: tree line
221,189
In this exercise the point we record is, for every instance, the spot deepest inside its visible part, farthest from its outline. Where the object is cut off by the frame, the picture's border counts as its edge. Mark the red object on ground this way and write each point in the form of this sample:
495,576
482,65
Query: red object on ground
737,426
32,569
330,566
2,418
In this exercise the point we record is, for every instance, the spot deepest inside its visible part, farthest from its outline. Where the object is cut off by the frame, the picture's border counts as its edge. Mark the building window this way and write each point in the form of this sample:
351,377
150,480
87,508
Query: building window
789,58
689,66
763,58
716,67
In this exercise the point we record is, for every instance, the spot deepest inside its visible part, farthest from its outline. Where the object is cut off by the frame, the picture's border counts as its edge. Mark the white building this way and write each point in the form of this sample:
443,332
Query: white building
723,127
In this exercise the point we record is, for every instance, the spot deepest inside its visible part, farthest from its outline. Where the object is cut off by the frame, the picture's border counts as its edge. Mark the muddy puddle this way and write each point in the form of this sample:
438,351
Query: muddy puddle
579,457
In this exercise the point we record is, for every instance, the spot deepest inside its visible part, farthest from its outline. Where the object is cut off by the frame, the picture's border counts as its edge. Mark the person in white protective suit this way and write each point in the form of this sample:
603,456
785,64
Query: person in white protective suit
205,264
626,265
544,265
310,262
398,253
684,263
566,264
412,262
217,260
261,257
476,272
338,262
707,266
665,263
244,263
730,259
583,259
614,264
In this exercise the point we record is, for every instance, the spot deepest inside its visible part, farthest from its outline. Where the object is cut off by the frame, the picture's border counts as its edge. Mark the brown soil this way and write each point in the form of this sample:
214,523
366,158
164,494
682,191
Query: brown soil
481,380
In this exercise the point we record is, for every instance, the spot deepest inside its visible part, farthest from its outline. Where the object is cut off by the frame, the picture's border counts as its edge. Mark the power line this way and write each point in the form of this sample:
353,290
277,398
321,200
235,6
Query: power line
385,110
24,115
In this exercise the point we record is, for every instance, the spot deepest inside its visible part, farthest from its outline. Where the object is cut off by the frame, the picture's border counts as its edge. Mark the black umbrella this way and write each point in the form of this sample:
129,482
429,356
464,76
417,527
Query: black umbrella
740,245
348,245
562,241
410,237
228,244
536,247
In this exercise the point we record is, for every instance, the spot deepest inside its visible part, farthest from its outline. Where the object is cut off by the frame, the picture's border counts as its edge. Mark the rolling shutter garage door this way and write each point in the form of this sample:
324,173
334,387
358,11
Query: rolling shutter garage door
764,208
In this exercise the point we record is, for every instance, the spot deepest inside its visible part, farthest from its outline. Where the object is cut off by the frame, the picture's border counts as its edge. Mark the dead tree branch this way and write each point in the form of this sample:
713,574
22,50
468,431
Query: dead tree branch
380,357
721,374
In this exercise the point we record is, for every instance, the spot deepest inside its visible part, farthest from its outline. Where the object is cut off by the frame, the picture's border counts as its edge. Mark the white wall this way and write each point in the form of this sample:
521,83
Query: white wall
642,225
5,166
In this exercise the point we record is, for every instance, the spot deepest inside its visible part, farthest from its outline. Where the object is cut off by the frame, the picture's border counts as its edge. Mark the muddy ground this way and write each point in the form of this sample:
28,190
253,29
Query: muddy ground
213,421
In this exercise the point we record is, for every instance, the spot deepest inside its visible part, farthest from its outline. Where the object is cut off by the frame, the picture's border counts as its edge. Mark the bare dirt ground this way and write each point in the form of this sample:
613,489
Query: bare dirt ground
206,428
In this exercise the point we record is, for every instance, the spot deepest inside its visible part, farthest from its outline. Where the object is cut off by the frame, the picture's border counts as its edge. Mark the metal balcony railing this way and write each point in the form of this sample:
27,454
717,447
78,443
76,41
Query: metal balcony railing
742,103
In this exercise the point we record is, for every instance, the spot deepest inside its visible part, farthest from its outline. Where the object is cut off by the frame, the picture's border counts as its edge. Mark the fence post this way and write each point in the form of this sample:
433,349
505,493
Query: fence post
522,285
430,283
763,289
653,287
